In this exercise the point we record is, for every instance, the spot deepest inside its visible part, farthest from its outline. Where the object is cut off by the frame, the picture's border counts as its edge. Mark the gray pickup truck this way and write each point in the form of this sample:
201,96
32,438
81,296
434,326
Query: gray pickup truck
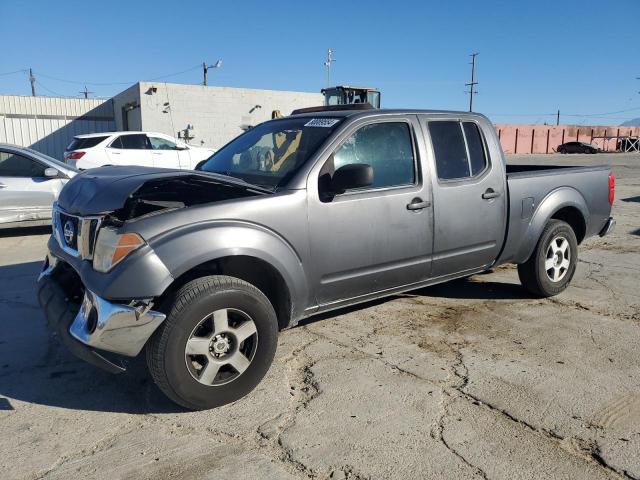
299,215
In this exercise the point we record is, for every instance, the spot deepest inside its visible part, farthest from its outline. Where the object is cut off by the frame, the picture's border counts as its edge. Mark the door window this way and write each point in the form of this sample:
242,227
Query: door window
158,143
475,144
13,165
459,149
386,146
131,142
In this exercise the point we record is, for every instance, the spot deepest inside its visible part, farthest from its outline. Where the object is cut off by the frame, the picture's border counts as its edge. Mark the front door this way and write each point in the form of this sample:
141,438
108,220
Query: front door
469,196
164,152
130,149
25,193
378,237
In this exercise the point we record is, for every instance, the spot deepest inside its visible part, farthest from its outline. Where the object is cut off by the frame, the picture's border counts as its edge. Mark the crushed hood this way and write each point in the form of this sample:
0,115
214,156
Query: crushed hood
134,191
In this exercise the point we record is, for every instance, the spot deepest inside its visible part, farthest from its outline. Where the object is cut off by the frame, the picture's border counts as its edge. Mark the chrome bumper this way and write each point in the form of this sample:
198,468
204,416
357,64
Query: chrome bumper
113,327
98,323
608,227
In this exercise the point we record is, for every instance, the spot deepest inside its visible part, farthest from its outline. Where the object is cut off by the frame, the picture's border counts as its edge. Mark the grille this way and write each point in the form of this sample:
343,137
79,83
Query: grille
69,230
76,235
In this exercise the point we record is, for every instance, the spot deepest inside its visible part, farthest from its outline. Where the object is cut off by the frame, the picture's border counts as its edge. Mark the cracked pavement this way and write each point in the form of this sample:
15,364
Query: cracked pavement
469,379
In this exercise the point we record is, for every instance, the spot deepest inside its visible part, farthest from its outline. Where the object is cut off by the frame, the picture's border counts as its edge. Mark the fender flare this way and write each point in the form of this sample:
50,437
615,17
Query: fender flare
185,248
555,201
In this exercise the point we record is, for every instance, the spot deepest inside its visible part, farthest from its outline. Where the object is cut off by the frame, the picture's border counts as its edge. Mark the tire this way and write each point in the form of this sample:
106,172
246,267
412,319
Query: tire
534,275
563,151
197,377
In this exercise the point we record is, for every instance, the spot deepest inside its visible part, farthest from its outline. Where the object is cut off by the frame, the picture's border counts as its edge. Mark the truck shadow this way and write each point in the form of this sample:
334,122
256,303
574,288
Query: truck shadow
464,288
25,231
35,368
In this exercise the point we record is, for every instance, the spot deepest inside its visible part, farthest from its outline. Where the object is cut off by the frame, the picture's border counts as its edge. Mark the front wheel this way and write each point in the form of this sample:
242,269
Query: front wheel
553,262
216,344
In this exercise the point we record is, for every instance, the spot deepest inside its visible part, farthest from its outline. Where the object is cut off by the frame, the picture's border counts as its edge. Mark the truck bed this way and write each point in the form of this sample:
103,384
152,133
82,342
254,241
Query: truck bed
525,171
530,188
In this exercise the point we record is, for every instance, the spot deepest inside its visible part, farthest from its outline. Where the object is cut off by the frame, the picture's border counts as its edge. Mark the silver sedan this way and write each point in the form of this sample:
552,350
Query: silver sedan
30,182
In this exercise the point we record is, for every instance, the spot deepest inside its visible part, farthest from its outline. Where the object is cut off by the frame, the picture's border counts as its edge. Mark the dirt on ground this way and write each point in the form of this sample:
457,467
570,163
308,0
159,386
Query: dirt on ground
469,379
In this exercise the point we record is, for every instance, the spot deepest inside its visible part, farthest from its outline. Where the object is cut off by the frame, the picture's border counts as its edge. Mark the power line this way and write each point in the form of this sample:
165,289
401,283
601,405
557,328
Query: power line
23,70
75,82
39,83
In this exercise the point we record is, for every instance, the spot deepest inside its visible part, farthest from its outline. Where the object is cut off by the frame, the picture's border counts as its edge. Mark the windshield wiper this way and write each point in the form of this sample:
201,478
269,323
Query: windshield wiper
261,188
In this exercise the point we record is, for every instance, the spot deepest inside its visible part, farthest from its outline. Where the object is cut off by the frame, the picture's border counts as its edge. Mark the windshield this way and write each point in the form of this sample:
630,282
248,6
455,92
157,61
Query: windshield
271,153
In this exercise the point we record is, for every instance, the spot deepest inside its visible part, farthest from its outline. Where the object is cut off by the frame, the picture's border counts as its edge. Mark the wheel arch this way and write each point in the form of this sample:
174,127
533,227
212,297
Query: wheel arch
566,204
249,252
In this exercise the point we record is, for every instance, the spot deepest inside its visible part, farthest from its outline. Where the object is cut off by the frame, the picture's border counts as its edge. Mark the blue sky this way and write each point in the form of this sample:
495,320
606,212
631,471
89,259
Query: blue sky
582,57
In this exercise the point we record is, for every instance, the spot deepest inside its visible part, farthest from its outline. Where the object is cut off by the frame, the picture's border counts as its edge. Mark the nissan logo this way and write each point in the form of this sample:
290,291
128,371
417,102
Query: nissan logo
69,232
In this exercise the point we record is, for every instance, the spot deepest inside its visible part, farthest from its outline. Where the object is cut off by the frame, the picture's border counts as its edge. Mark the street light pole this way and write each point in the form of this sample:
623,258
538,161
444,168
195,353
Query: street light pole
205,69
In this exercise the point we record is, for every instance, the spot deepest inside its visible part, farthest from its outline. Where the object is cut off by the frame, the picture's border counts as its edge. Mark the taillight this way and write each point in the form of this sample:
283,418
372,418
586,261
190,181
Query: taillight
75,155
612,188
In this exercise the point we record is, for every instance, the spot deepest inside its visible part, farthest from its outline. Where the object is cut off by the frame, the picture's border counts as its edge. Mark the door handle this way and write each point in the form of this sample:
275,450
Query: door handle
418,204
490,193
2,185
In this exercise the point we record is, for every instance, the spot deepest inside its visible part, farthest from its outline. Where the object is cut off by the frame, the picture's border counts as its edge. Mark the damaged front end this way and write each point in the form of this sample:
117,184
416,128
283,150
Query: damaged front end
90,326
167,194
97,309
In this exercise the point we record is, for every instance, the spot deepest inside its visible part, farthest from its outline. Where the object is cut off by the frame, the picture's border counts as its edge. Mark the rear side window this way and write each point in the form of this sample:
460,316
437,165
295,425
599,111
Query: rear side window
131,142
459,149
81,143
450,151
475,144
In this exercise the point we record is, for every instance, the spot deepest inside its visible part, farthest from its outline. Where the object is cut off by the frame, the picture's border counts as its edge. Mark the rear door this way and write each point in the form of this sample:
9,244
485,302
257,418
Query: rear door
378,237
25,192
130,149
164,152
469,195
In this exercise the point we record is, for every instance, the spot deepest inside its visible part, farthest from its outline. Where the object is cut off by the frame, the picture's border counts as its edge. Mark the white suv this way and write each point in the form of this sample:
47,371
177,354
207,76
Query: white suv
133,148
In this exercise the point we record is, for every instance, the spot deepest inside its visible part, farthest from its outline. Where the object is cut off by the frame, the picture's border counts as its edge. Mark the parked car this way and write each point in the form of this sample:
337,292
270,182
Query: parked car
30,182
147,149
297,216
577,147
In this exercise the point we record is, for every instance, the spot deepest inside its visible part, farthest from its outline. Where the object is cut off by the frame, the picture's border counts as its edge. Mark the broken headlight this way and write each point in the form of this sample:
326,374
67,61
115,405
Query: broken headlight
111,248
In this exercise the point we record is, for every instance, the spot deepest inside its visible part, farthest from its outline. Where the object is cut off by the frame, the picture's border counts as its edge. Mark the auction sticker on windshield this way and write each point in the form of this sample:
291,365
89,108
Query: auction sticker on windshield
322,122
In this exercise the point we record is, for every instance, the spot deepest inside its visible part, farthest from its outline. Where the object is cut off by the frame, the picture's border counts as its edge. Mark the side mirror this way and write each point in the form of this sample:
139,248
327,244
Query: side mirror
182,147
354,175
51,172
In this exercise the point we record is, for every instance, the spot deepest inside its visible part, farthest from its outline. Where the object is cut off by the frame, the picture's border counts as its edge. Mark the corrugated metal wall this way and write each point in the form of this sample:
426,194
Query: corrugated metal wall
48,124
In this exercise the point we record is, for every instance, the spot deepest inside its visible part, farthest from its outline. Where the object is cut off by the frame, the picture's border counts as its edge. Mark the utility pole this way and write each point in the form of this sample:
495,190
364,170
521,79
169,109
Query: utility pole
205,69
85,92
558,118
32,80
473,83
327,64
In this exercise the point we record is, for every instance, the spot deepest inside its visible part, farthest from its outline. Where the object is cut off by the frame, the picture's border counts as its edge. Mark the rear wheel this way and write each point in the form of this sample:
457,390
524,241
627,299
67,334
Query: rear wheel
553,262
216,344
562,150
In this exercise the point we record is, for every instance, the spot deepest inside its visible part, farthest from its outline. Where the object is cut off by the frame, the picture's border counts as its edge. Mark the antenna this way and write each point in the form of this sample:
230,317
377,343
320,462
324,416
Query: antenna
473,83
85,92
327,64
32,80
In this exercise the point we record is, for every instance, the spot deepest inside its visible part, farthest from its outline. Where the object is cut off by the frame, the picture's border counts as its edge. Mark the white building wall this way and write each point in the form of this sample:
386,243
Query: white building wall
48,124
218,114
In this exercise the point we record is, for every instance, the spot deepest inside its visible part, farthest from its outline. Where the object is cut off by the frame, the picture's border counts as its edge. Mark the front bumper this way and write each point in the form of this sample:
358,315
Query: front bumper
608,227
86,322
